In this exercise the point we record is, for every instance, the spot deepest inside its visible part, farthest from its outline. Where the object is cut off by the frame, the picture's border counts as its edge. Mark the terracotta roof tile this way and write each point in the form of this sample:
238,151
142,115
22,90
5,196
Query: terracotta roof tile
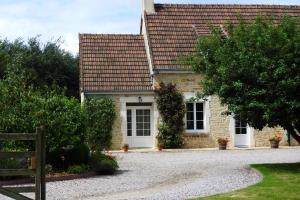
113,63
174,28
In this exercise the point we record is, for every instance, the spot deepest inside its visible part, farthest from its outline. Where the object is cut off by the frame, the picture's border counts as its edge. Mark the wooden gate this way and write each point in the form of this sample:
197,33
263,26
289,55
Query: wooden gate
38,172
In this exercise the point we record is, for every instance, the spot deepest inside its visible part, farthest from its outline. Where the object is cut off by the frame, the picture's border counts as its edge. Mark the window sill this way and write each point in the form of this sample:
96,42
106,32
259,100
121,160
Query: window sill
196,134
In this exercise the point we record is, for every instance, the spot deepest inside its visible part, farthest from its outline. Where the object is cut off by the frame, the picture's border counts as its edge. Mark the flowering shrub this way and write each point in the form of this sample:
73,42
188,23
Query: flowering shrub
276,138
223,141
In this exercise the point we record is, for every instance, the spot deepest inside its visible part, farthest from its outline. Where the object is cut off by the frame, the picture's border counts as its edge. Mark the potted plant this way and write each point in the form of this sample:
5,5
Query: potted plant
274,141
125,147
223,143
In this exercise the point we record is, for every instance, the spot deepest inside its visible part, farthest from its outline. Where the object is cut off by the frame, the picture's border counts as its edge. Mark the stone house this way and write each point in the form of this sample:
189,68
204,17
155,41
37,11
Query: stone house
126,68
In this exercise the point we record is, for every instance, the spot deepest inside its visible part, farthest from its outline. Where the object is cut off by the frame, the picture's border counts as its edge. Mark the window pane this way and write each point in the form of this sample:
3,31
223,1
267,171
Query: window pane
129,125
139,132
129,132
189,116
128,115
237,131
146,125
139,126
243,124
139,119
146,132
190,125
147,112
237,123
199,116
199,106
139,112
200,125
243,130
190,107
146,118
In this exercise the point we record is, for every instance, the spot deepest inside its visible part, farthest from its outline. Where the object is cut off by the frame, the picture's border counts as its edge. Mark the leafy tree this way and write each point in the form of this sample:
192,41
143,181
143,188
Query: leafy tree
100,116
23,109
171,107
47,64
255,70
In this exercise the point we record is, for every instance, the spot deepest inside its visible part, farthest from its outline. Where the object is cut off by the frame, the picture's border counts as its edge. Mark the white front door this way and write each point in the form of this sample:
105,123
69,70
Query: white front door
140,126
241,134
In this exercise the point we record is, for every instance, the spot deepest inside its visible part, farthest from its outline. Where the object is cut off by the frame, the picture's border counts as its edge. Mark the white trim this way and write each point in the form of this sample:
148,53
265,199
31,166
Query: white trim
82,97
250,133
173,71
123,114
206,102
147,43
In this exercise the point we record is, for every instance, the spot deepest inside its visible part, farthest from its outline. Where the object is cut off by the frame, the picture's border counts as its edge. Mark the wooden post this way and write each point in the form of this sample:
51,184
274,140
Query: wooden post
39,172
43,163
38,147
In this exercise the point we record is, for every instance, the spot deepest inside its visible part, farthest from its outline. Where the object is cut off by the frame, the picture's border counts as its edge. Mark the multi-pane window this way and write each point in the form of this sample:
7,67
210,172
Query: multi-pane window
143,122
240,126
195,116
129,123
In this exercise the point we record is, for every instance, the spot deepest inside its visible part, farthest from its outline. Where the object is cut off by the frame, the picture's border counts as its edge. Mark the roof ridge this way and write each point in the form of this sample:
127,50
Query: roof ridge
110,34
237,5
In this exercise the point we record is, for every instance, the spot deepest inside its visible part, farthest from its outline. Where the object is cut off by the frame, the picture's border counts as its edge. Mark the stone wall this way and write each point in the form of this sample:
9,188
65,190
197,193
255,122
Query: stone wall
218,122
117,138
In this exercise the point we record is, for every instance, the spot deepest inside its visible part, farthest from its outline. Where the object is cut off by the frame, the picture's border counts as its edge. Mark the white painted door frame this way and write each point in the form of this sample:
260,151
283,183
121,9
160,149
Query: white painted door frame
140,141
154,118
240,140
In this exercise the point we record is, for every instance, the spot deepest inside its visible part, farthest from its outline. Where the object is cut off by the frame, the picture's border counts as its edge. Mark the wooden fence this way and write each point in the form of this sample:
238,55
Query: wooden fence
38,172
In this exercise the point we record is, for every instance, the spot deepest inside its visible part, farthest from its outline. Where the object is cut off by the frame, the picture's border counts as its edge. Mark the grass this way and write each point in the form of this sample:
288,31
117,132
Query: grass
280,182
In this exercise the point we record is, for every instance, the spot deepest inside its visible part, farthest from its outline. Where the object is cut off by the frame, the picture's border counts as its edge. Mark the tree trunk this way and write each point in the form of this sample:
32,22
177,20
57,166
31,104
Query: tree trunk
294,133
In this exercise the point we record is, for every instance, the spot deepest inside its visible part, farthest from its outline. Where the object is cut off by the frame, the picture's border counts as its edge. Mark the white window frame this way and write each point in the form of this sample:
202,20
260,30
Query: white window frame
206,113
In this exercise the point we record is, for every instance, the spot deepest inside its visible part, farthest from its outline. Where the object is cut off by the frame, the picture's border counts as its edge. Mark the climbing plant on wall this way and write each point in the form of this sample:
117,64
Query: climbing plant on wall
170,104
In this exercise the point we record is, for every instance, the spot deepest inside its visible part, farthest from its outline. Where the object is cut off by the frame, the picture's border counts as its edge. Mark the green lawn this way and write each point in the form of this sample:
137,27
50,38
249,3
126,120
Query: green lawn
280,182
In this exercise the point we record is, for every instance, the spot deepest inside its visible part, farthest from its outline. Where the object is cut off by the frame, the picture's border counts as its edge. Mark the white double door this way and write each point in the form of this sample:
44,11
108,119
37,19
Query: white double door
139,129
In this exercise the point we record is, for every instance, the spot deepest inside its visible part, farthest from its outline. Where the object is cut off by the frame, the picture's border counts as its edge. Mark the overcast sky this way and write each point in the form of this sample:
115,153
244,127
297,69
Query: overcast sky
66,18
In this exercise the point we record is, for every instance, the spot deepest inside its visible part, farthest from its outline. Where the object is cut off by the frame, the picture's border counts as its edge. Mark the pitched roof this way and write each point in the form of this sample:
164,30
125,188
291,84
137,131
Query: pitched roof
174,28
113,63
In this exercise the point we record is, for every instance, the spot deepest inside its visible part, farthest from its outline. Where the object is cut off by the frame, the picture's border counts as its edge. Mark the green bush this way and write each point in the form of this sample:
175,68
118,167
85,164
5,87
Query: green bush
10,163
76,155
23,108
171,107
103,164
78,169
100,116
79,154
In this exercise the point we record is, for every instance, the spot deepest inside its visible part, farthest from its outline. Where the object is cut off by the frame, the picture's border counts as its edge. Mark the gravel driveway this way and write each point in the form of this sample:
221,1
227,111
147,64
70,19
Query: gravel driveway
176,175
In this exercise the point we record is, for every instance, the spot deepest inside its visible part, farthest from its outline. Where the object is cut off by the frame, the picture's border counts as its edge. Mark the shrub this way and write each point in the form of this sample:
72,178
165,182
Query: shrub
103,164
10,163
78,169
100,116
171,107
76,155
23,108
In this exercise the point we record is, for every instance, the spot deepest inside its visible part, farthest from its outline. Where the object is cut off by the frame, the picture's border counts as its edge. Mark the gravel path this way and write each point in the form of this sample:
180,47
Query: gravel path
173,175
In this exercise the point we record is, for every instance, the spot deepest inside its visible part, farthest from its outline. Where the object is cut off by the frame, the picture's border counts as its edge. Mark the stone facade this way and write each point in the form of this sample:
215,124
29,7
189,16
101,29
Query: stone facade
219,124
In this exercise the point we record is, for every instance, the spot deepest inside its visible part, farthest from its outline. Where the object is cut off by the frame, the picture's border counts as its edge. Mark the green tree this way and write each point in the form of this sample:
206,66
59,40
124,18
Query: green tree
255,70
23,108
47,64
